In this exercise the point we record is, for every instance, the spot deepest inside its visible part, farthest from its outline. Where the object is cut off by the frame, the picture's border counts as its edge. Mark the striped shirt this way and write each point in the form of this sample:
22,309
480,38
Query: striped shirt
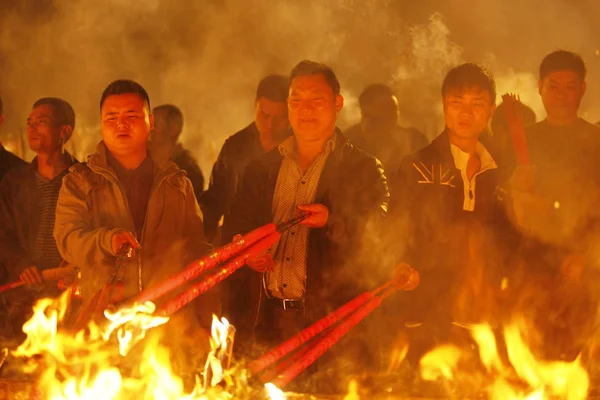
45,253
294,187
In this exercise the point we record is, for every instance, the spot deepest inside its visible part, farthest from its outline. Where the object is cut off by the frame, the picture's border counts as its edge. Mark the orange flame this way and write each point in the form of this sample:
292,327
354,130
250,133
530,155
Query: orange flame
84,365
543,379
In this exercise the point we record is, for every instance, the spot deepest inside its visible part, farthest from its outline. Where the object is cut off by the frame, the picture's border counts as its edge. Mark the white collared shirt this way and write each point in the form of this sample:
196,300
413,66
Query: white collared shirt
461,159
293,187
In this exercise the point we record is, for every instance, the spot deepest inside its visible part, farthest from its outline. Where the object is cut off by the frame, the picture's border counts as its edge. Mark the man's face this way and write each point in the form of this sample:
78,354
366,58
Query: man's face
467,111
380,116
561,93
126,123
271,118
44,133
312,107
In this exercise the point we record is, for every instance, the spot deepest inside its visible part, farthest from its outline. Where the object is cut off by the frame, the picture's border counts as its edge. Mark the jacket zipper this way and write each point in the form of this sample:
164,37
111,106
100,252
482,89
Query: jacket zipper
152,195
109,175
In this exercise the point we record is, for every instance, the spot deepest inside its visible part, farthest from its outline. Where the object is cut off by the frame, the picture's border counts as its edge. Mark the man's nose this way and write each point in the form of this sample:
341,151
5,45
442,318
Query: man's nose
466,109
307,105
122,123
31,127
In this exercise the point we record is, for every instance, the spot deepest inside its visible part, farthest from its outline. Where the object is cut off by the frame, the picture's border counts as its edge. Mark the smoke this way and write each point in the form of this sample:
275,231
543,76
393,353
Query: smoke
207,57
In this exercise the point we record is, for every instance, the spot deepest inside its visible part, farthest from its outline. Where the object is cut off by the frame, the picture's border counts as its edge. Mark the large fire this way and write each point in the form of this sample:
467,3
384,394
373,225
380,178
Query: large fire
90,364
523,377
118,361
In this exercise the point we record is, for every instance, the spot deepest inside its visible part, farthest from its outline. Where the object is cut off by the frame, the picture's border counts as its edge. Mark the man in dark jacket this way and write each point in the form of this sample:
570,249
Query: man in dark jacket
269,128
28,197
564,149
378,132
309,272
7,159
556,202
168,124
446,207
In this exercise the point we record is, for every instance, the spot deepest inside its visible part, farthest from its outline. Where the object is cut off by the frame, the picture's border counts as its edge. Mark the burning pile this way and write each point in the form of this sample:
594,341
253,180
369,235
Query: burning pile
115,360
522,377
81,361
88,365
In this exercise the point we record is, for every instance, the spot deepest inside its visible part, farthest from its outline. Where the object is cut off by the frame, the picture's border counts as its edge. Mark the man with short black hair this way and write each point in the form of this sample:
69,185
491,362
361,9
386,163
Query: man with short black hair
564,150
556,203
446,210
7,159
311,270
269,128
378,132
123,196
168,124
28,197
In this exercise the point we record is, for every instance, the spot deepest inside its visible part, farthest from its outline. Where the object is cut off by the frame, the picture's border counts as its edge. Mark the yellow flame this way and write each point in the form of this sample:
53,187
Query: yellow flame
544,379
219,331
440,363
84,365
352,390
214,368
274,392
131,324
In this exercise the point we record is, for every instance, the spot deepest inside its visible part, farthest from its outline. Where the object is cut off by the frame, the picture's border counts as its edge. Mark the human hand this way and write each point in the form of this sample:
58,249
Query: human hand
260,263
31,276
121,238
318,217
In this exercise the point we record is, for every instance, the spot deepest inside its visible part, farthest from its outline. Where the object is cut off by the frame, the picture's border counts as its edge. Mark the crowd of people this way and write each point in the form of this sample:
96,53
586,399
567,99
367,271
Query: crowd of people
490,236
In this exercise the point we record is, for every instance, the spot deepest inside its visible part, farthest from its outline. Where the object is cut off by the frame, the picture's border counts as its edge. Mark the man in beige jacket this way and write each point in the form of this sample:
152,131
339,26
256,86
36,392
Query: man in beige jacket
122,196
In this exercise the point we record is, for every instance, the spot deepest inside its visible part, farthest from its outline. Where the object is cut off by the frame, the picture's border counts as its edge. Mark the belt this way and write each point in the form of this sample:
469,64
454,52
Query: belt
288,304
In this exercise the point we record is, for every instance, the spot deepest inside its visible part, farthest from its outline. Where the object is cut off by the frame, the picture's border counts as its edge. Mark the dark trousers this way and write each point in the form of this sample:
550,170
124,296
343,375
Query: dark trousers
275,325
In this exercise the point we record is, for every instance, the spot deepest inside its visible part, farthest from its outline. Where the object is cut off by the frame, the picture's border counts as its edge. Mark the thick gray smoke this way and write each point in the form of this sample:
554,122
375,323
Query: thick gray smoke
208,56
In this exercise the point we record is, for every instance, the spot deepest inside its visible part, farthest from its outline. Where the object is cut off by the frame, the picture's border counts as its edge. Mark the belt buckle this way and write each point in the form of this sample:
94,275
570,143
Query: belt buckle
291,302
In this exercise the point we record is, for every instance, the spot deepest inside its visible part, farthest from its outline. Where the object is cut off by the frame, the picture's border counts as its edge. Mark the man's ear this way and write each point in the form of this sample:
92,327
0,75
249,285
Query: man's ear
151,121
339,102
65,133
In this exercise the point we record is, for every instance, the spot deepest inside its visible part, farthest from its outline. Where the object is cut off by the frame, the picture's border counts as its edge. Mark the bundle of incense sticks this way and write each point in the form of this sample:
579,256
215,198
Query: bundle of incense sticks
285,362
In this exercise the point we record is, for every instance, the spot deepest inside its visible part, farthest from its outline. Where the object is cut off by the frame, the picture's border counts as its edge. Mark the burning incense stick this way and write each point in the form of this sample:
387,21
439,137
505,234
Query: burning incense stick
52,274
198,267
351,313
211,280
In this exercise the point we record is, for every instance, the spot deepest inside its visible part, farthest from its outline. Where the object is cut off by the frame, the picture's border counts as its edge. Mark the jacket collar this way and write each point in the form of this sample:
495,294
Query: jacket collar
287,148
99,163
442,145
